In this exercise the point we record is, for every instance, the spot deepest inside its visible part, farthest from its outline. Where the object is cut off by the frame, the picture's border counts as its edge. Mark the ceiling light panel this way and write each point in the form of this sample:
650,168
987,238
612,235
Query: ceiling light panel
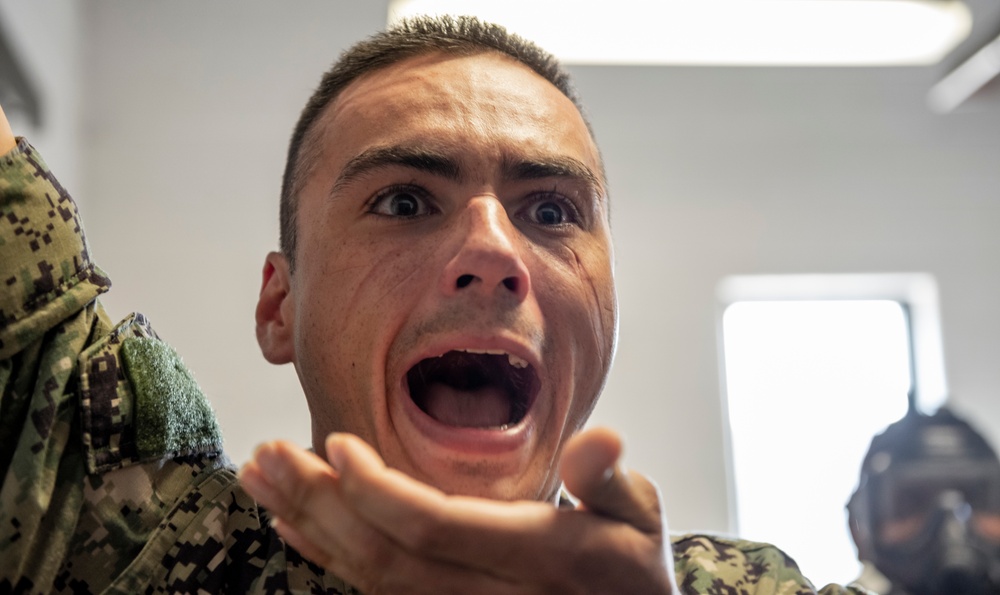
724,32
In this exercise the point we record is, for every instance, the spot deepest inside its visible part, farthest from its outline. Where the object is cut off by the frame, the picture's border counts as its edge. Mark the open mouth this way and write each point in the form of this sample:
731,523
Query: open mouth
474,389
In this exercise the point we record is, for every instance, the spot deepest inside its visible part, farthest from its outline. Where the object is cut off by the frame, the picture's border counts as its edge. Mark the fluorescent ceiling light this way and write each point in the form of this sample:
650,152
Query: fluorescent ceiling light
970,76
724,32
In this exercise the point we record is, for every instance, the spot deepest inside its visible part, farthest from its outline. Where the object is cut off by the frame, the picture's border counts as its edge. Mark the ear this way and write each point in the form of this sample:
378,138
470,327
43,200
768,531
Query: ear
275,314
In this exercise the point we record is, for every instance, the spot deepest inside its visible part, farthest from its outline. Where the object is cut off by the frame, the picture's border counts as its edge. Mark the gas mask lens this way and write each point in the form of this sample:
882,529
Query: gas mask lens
930,537
913,495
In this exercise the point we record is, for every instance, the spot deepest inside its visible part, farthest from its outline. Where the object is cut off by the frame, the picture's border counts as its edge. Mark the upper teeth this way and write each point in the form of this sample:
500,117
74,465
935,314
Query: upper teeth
516,361
511,358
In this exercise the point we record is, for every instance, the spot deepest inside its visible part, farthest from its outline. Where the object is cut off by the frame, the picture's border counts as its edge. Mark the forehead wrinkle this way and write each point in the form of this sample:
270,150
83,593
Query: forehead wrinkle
421,159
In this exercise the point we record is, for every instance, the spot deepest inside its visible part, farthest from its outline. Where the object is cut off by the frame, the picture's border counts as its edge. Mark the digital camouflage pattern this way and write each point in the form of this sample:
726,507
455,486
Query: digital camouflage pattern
84,508
721,566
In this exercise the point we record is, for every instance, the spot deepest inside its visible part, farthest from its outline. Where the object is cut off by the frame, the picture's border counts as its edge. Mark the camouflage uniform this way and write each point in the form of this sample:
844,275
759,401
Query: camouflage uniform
113,475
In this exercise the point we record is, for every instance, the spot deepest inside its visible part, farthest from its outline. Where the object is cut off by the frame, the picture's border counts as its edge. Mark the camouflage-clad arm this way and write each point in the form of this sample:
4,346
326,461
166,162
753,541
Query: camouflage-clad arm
48,287
162,509
712,564
46,274
113,479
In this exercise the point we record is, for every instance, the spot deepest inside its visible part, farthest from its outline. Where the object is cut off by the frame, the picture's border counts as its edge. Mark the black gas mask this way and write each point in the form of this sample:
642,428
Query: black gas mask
927,509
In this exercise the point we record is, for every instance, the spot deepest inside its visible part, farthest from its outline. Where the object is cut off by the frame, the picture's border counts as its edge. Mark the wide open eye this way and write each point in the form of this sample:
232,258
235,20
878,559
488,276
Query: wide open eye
401,201
551,211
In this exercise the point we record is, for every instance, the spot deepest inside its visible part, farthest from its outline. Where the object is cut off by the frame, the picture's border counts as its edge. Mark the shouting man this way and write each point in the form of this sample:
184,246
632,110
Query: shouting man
445,292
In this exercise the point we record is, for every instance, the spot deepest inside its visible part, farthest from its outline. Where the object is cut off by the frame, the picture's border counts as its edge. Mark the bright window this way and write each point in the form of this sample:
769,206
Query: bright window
808,384
813,367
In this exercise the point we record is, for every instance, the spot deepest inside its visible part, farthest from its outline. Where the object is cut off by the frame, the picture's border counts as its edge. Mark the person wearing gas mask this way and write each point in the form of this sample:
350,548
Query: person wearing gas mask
926,513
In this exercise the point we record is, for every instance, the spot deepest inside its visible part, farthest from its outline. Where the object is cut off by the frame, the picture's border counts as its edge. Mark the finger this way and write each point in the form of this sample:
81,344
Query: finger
305,545
316,522
7,140
375,564
299,492
284,478
494,537
397,503
592,472
521,543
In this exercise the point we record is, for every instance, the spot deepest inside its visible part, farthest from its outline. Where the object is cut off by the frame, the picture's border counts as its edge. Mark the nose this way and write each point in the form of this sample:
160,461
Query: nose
486,260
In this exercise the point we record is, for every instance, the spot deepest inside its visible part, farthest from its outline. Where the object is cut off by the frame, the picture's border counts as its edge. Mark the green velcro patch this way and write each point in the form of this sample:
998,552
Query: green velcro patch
172,415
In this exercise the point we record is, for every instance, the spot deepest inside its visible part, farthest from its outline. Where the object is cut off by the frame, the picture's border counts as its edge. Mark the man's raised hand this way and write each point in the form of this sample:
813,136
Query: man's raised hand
385,532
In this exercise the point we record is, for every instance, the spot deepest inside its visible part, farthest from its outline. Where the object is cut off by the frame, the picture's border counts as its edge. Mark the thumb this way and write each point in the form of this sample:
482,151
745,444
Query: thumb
592,472
7,140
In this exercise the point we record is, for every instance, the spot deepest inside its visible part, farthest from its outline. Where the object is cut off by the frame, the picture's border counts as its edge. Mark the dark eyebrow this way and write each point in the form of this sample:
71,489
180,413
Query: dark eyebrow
551,167
379,157
436,163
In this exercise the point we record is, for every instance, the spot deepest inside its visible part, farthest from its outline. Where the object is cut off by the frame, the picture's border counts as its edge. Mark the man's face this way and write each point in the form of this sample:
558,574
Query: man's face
453,301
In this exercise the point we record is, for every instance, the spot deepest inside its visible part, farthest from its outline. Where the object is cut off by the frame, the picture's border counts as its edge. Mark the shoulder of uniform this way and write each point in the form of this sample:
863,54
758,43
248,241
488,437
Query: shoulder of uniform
139,401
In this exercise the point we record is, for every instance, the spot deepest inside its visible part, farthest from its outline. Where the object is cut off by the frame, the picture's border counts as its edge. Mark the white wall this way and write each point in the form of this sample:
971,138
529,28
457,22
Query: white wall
187,107
45,34
187,111
725,171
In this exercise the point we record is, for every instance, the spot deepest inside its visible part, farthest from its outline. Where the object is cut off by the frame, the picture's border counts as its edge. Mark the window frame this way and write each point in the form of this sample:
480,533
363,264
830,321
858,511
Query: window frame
917,293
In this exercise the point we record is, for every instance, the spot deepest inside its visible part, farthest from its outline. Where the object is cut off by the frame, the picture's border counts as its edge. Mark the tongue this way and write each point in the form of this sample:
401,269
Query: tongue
484,407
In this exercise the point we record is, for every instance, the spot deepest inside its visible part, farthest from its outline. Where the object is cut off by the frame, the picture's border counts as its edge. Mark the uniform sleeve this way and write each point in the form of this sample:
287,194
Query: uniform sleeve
48,290
46,272
112,474
711,564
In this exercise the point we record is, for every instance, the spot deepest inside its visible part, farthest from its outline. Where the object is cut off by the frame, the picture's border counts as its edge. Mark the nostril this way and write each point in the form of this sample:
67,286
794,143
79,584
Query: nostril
510,283
464,281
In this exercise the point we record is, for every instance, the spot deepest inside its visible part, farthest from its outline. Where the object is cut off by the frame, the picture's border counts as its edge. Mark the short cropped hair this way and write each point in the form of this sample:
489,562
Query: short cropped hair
462,36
